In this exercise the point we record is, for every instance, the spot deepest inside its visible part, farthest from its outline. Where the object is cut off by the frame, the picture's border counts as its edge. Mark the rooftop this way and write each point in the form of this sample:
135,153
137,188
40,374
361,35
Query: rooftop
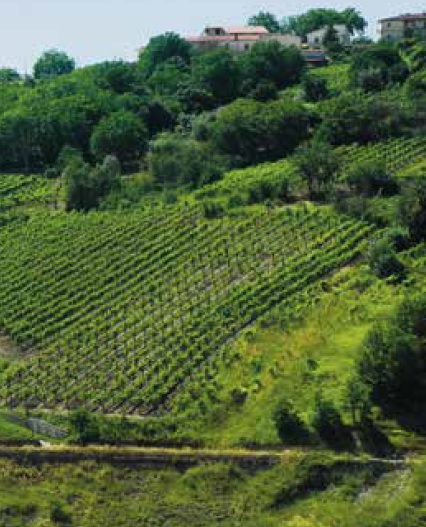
405,17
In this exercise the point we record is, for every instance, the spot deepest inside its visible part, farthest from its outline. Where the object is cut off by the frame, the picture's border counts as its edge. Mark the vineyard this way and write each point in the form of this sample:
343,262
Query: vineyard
396,154
16,190
131,312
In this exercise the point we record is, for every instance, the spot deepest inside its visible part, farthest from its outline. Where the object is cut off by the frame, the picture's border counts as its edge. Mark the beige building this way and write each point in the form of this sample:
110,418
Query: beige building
403,26
239,38
316,38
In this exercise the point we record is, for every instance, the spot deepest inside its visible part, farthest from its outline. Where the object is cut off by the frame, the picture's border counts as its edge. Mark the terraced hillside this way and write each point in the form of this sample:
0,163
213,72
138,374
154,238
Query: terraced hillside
125,311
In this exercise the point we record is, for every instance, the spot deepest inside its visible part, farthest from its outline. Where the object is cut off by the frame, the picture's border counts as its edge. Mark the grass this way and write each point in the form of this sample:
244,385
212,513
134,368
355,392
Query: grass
301,363
88,494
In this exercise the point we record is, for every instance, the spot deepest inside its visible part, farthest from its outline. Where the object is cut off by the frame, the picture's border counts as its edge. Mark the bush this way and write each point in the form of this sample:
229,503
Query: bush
328,424
383,260
371,177
290,427
85,187
252,132
121,134
175,159
318,165
85,426
314,88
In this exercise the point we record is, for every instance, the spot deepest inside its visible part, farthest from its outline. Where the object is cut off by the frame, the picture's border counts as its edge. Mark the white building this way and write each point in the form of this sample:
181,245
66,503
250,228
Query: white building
316,38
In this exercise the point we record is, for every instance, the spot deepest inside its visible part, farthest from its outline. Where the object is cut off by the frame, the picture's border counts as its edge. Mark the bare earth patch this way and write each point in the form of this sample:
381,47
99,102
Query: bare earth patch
8,349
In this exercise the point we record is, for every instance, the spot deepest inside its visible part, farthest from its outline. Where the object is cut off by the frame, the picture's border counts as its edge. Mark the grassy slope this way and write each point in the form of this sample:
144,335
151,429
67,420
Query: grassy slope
302,363
307,491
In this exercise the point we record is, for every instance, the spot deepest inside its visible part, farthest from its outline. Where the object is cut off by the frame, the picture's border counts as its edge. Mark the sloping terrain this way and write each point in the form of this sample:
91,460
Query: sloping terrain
121,311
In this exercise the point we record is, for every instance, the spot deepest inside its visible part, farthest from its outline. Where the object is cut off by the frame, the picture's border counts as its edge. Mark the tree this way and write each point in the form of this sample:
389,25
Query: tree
168,76
85,187
393,360
328,424
218,73
117,75
174,159
412,207
318,165
252,132
314,88
384,261
85,426
331,41
354,118
271,61
266,20
163,48
8,76
53,63
319,18
382,60
121,134
289,426
371,177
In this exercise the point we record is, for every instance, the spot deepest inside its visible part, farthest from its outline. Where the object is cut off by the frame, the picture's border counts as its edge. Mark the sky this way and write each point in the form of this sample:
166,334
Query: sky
96,30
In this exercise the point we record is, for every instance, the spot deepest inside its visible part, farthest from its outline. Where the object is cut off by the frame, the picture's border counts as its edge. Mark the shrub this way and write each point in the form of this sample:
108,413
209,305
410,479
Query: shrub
328,424
290,427
393,359
371,177
314,88
121,134
85,426
383,260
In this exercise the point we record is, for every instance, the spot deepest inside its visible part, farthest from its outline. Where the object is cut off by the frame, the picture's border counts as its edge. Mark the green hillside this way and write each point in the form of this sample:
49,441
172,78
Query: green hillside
119,312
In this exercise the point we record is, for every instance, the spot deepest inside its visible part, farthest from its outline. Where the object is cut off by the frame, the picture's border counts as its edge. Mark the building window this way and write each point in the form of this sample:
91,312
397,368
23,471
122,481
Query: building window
389,24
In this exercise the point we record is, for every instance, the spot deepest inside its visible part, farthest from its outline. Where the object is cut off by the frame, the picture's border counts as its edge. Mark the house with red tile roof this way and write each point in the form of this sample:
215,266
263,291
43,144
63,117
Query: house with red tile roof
403,26
238,38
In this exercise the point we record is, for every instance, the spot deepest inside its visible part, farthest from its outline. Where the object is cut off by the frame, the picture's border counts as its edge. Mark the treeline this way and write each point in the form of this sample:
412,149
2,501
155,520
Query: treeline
310,21
190,116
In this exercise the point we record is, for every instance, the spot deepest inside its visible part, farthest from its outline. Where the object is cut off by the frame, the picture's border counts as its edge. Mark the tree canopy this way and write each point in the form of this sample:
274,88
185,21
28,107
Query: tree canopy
267,20
53,63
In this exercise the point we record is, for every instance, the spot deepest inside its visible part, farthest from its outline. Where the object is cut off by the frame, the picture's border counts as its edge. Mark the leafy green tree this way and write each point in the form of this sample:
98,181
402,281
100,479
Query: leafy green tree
85,187
393,360
416,85
384,261
252,132
289,426
381,62
319,18
327,423
167,78
117,76
53,63
354,118
371,177
331,41
218,73
318,166
412,207
163,48
271,61
121,134
8,76
85,426
314,88
265,19
175,159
